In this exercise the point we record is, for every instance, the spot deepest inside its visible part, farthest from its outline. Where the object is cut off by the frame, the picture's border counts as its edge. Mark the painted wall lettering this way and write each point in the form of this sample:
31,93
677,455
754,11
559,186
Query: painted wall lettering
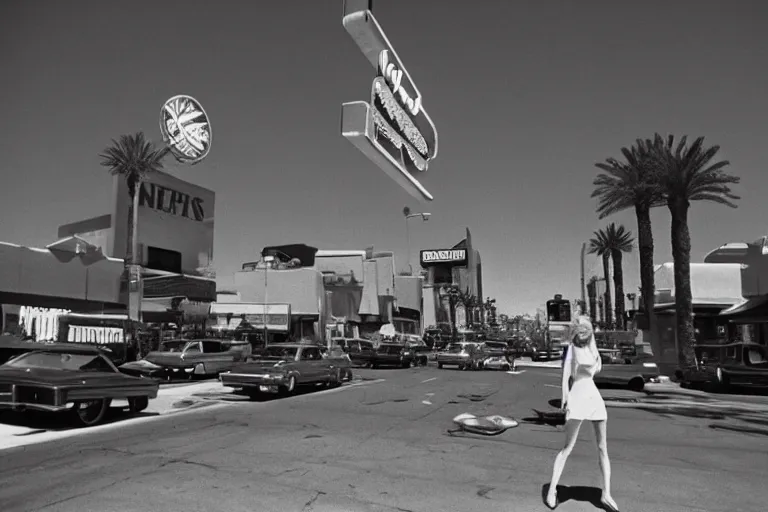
166,200
95,335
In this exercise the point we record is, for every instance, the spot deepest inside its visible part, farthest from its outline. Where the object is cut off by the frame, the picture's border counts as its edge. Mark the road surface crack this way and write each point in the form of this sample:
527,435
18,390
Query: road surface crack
185,461
308,505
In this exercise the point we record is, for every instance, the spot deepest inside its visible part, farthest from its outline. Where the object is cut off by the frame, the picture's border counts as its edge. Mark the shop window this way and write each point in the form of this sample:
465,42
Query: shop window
164,259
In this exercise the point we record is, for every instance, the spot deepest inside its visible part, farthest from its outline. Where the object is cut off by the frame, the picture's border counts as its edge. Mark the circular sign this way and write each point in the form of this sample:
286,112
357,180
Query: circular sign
186,129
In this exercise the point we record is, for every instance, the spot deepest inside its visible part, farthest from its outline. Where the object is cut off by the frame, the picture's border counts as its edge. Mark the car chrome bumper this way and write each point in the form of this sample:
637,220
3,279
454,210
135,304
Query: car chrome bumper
244,380
24,406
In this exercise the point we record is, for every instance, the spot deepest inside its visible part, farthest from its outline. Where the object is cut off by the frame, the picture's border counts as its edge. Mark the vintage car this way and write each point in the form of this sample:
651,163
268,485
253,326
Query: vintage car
360,351
622,369
392,354
190,358
498,356
550,353
71,378
341,358
464,355
420,352
283,367
733,364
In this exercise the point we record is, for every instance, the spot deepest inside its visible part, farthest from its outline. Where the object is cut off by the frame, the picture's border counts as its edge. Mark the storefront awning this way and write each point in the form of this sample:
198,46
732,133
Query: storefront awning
755,309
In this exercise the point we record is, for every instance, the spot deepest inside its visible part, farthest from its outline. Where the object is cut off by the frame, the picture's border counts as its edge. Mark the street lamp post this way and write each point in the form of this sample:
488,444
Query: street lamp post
268,261
408,215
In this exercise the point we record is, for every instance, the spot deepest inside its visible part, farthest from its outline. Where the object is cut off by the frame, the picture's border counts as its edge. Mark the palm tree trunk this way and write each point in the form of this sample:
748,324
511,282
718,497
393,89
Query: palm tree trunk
592,294
608,304
132,258
618,285
647,279
681,254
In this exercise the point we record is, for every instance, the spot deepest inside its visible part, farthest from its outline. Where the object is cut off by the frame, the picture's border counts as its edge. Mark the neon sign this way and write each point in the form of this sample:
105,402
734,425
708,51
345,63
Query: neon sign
393,130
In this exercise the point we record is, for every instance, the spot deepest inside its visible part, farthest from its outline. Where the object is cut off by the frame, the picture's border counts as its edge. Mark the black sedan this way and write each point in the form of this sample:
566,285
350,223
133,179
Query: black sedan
76,379
390,354
730,365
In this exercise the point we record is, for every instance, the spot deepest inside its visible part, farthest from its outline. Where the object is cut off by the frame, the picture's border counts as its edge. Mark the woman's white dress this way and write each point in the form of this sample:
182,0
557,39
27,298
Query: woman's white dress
584,399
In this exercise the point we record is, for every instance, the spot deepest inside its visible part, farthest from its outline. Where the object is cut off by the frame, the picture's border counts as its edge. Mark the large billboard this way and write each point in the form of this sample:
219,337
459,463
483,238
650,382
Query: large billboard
175,223
393,130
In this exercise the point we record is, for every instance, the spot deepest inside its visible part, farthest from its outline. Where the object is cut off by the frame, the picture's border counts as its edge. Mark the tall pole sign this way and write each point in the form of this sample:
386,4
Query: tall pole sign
394,130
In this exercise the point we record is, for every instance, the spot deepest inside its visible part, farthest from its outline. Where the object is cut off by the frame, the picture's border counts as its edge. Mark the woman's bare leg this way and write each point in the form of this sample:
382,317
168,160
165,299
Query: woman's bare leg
601,437
571,434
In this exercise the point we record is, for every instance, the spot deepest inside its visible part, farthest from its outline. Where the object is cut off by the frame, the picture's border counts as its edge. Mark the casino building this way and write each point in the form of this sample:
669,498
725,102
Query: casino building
459,266
83,271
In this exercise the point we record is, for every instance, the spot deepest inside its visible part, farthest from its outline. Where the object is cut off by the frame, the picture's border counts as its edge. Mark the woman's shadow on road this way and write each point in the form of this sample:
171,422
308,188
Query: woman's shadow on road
586,494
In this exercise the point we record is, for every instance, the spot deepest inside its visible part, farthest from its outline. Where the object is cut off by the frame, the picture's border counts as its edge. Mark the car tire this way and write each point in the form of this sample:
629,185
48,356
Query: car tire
440,366
252,393
636,384
92,412
290,387
138,404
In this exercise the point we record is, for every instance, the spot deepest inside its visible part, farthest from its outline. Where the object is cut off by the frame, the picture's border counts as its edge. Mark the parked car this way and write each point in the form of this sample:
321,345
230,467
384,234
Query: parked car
190,358
620,369
391,354
282,368
80,380
341,358
734,364
360,351
420,353
464,355
498,356
546,354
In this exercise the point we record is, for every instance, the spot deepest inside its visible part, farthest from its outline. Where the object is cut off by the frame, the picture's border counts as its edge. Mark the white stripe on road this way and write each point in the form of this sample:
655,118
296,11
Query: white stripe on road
551,385
426,402
428,380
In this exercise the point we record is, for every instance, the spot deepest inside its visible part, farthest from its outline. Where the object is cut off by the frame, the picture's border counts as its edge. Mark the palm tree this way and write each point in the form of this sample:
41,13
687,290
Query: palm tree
621,242
633,184
686,172
601,246
134,158
592,297
469,302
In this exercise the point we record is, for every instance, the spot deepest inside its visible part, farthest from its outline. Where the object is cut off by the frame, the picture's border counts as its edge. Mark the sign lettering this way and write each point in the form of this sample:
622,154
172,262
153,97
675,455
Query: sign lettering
443,256
166,200
95,335
394,77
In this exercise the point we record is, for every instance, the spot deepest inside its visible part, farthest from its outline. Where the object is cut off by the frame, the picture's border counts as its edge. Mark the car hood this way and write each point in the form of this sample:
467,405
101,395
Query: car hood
51,377
164,358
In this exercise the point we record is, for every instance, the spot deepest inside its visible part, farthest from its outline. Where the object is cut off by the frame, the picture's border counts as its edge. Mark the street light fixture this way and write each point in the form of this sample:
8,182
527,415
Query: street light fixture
408,215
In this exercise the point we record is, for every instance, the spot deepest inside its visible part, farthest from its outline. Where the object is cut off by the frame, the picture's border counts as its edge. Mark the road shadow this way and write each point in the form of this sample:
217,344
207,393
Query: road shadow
53,422
582,493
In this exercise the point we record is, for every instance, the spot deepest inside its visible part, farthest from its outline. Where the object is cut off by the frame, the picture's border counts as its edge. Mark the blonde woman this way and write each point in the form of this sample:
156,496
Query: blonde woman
582,402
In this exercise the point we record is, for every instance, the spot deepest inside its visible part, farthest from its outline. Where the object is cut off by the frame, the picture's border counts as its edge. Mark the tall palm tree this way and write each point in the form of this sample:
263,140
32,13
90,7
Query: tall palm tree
688,172
632,184
621,242
469,302
600,245
592,297
134,158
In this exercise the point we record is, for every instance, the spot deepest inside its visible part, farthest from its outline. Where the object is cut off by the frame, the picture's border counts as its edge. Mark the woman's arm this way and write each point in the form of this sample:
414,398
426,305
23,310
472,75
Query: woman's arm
596,352
566,374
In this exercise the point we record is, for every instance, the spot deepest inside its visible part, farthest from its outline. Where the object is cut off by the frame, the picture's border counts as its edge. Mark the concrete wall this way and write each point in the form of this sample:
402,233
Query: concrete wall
302,288
408,292
753,261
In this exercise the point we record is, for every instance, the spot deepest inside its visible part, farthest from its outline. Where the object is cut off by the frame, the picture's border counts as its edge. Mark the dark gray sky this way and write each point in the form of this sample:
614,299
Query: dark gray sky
526,97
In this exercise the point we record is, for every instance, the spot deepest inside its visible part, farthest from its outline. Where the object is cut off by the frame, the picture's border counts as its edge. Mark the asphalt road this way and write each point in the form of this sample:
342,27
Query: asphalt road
383,446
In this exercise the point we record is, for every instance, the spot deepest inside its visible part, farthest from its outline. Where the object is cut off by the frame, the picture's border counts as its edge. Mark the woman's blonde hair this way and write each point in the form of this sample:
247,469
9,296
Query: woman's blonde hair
582,332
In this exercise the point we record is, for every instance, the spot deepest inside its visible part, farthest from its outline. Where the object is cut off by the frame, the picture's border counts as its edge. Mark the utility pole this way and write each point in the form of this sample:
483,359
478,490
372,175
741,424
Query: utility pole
583,284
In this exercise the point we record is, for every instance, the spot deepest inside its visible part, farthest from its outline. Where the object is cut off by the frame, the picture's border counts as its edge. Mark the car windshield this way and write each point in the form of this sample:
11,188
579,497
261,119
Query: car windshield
455,347
495,345
277,352
390,349
173,346
61,361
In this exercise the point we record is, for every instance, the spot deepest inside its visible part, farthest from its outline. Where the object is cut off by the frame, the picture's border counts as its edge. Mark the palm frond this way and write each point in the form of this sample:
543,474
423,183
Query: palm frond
133,157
